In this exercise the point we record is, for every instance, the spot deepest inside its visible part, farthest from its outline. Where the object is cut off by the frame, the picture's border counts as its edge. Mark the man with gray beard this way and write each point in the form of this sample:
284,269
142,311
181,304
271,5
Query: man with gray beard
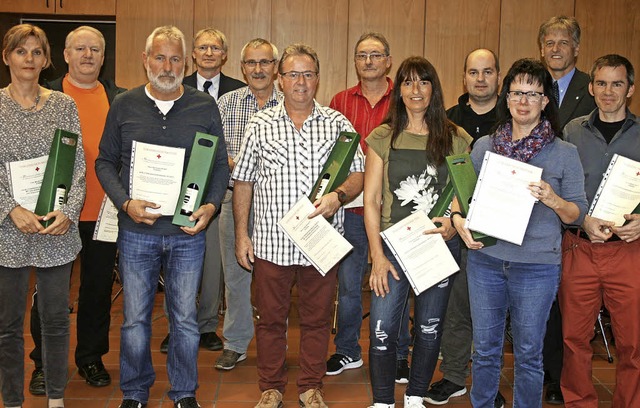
166,114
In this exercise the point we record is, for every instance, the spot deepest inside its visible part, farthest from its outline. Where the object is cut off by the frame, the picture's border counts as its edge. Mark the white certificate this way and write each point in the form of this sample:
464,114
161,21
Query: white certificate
107,224
619,191
424,258
156,175
502,203
25,179
320,243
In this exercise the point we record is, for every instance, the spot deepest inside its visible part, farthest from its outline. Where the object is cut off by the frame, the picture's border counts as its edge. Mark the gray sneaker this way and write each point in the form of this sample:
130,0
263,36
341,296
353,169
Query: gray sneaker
228,359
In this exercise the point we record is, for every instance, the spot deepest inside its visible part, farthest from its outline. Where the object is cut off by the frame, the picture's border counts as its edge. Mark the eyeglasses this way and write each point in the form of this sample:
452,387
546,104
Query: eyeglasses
375,56
214,49
532,96
253,63
294,75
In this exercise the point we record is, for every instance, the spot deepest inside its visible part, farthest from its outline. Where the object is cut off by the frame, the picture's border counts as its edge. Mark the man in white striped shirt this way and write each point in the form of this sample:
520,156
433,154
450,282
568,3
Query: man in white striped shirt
282,154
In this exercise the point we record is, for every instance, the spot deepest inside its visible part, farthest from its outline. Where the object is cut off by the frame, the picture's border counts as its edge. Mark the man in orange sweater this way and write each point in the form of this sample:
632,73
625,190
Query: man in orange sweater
84,53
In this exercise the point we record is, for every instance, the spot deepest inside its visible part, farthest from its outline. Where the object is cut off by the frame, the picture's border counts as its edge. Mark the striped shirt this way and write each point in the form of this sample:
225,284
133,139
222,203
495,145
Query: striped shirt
284,163
236,108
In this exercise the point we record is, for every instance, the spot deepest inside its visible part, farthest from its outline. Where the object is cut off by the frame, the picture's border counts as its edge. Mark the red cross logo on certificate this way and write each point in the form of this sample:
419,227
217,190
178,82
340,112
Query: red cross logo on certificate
513,172
158,156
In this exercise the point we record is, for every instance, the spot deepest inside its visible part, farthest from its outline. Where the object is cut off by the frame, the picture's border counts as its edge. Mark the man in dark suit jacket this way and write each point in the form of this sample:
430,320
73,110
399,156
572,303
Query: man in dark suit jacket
209,55
559,46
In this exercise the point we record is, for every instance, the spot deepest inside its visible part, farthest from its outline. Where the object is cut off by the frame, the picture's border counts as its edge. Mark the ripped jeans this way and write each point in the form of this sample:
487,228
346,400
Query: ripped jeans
429,310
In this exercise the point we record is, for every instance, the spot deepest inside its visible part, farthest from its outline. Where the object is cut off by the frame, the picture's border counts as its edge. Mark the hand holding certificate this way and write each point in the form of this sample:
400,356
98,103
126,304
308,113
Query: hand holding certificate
320,243
619,191
25,179
424,258
156,175
502,203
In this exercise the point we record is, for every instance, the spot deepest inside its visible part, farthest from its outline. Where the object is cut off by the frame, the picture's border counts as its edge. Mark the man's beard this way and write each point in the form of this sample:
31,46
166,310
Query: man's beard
159,81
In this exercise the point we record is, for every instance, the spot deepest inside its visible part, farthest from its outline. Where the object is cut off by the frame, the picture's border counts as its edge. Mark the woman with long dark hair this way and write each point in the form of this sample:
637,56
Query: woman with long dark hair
522,280
405,172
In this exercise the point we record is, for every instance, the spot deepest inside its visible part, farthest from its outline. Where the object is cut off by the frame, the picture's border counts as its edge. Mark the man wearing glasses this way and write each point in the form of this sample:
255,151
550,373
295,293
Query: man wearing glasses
559,39
258,63
209,55
281,157
365,105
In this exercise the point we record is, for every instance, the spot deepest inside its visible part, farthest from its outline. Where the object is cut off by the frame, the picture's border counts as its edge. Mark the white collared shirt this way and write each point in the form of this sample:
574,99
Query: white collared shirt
215,84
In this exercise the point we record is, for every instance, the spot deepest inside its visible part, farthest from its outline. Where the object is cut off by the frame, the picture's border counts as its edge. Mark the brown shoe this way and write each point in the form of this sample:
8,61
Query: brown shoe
270,399
312,399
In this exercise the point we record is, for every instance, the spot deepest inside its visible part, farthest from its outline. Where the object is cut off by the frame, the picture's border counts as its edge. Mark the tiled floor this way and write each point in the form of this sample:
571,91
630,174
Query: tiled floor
238,388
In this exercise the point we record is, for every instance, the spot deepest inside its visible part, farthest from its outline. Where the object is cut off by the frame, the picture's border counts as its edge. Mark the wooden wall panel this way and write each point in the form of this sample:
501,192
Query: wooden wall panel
453,29
135,21
610,27
322,24
519,25
401,22
240,21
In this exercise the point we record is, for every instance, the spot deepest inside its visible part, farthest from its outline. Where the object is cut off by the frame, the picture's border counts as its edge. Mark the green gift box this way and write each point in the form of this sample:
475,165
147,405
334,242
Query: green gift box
336,168
58,174
196,178
463,177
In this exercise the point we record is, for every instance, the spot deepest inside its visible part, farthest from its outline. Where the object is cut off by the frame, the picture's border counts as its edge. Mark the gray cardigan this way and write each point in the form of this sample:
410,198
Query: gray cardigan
542,240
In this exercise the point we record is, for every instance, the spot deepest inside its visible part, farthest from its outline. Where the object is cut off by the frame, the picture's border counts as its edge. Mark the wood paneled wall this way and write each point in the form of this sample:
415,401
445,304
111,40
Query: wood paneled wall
444,31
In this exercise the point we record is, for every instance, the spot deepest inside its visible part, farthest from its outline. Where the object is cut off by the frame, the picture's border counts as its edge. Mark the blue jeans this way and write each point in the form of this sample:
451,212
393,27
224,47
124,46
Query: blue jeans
350,275
141,257
238,320
526,291
386,312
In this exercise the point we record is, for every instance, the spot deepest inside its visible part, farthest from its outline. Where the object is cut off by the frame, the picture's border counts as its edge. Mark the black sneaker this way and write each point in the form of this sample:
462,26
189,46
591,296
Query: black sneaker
402,371
337,363
499,401
187,402
36,385
130,403
442,390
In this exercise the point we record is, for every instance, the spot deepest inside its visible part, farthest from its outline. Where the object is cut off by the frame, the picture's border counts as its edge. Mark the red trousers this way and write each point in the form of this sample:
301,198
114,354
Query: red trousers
592,274
273,299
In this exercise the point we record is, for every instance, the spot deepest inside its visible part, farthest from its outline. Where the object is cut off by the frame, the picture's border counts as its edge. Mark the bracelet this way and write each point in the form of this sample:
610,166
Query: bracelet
454,213
126,206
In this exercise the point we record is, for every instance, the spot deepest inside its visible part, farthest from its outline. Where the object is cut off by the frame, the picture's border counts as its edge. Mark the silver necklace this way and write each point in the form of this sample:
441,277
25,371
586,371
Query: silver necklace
35,104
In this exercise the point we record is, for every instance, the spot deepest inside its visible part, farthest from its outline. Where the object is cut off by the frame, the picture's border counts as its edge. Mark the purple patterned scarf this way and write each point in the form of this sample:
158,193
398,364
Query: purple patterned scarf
526,148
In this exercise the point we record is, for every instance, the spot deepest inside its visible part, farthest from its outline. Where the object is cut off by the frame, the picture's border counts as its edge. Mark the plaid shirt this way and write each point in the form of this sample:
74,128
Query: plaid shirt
284,163
236,108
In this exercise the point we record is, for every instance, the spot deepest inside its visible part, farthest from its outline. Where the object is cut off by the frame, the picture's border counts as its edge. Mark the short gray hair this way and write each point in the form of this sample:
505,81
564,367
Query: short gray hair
299,50
372,35
67,41
257,42
568,24
216,34
169,32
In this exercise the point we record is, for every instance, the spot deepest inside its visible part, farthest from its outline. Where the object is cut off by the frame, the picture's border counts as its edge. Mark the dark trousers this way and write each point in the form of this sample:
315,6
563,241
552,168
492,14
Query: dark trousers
97,260
273,299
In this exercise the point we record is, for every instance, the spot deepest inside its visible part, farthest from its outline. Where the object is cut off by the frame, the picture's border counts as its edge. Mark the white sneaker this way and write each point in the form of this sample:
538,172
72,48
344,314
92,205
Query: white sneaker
380,405
412,402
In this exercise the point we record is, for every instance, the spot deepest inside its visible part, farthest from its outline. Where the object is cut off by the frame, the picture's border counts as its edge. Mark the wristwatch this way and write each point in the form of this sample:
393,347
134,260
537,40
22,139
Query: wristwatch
342,196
